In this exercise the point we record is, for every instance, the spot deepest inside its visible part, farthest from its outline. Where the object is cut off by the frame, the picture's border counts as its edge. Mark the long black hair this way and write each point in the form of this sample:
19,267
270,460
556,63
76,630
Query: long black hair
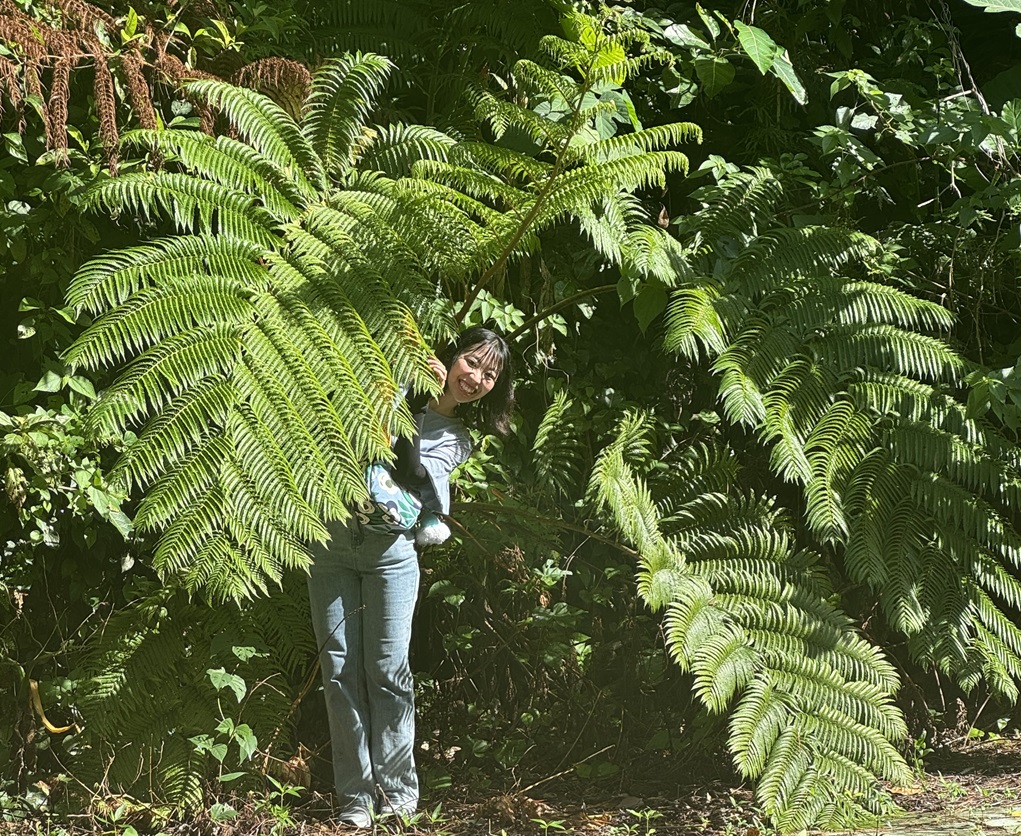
492,412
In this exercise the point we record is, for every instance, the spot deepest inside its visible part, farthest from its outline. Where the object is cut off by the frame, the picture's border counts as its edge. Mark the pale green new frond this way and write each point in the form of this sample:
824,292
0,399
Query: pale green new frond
268,128
344,91
395,148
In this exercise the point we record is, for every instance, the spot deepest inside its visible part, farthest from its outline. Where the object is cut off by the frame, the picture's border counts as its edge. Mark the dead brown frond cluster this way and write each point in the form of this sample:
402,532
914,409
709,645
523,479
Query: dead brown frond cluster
68,36
286,82
49,49
60,39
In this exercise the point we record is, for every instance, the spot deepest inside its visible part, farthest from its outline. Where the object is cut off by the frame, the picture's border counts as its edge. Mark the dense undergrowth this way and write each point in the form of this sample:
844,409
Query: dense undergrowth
757,520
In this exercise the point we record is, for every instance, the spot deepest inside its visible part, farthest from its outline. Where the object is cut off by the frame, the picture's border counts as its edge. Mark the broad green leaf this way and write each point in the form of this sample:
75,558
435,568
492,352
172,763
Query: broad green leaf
246,739
714,73
121,521
50,382
682,35
709,21
1011,116
783,69
221,679
864,121
757,44
220,812
997,5
83,386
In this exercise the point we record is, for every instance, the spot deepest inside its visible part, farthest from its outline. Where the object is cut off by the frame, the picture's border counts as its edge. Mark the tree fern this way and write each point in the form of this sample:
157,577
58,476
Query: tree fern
751,618
268,338
848,381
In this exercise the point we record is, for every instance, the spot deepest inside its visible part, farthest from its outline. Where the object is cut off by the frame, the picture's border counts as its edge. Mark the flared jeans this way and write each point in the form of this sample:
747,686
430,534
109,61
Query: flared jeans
362,589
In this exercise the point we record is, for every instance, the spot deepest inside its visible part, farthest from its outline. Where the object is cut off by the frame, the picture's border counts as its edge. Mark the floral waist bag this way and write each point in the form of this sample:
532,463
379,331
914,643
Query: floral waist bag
395,507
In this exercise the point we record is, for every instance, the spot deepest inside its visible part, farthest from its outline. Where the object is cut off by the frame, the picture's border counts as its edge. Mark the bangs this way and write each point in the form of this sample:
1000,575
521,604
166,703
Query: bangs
489,356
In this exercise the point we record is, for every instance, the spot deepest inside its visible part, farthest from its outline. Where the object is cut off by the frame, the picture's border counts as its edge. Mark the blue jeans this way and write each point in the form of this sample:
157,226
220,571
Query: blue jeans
362,589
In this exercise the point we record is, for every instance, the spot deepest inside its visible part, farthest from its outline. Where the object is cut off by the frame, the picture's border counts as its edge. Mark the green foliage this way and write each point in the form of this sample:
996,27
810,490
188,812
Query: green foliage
235,671
855,401
812,717
266,338
269,335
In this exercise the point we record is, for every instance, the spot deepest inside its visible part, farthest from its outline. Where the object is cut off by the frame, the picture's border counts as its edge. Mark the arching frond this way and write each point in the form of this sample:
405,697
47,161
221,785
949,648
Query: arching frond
344,91
811,704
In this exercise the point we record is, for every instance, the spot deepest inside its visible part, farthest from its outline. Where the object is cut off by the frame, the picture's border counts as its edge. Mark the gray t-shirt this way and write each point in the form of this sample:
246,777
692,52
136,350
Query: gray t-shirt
444,444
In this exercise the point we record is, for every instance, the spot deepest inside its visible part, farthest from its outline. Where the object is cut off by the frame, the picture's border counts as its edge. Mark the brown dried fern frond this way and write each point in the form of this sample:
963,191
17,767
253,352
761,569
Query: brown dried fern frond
138,89
10,87
286,82
60,92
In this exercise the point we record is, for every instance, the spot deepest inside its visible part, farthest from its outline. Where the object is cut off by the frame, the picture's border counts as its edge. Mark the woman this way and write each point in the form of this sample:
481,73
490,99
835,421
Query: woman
363,586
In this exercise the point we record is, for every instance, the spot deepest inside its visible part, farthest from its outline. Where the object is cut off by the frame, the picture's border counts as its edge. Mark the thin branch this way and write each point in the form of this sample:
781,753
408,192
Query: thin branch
563,303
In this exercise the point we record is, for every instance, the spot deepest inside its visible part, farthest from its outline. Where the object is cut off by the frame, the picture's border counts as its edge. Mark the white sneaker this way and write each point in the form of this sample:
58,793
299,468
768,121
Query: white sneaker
356,817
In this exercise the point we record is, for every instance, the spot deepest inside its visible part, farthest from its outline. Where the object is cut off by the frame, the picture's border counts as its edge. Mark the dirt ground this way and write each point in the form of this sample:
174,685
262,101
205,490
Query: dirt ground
958,785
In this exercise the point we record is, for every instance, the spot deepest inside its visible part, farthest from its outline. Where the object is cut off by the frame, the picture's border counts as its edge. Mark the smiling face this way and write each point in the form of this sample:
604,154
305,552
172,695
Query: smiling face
473,374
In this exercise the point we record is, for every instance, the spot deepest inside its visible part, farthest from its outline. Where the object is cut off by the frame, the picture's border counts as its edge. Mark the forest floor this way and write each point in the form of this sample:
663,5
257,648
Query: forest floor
974,790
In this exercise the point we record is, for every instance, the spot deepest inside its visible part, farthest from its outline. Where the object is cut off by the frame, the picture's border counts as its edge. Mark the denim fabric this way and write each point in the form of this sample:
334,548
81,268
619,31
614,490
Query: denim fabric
362,589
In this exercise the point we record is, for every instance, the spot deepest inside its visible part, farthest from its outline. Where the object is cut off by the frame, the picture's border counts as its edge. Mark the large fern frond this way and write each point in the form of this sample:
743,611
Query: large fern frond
267,342
812,715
